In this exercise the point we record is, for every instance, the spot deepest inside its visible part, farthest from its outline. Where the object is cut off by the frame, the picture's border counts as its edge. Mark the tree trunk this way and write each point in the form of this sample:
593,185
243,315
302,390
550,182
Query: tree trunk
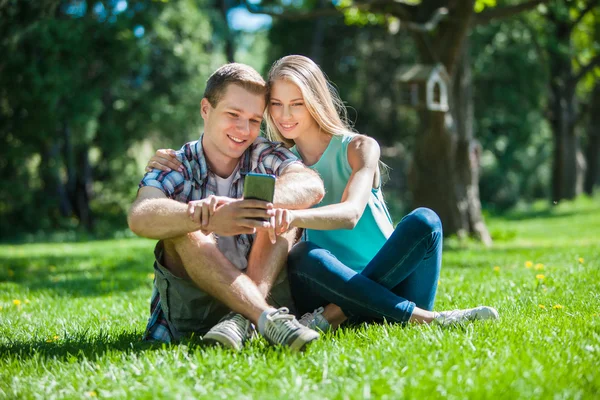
224,7
445,171
69,157
468,153
568,164
592,176
83,189
79,178
52,184
432,176
316,47
444,175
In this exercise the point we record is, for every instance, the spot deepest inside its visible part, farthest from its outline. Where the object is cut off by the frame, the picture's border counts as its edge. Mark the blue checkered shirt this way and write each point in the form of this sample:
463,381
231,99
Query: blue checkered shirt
197,182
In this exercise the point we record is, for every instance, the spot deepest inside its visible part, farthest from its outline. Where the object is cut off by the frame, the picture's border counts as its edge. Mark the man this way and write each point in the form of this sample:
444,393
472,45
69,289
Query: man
229,263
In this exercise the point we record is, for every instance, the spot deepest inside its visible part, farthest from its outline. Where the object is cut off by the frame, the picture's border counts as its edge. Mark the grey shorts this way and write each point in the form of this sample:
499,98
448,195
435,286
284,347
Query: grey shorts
189,310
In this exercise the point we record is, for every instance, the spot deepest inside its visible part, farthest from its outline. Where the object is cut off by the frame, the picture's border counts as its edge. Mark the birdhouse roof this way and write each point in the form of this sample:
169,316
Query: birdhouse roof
421,72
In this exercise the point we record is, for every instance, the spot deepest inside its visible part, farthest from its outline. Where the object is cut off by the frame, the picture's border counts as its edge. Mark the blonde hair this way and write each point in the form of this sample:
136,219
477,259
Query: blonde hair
321,98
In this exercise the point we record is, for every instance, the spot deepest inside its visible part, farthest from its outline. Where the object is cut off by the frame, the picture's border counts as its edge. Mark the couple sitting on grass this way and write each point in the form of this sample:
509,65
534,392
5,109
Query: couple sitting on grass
221,272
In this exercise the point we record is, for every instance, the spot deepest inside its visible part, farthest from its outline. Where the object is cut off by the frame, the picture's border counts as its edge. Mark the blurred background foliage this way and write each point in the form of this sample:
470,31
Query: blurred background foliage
88,90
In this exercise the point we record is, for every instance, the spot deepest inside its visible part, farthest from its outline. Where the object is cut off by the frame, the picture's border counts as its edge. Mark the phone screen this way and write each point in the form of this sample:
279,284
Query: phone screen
259,187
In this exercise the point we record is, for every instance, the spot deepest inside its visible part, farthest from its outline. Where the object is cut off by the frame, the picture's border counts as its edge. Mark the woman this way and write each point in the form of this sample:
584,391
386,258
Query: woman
354,264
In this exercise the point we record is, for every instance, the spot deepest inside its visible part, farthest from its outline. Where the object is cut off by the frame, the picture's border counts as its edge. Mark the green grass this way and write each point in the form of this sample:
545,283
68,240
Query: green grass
83,307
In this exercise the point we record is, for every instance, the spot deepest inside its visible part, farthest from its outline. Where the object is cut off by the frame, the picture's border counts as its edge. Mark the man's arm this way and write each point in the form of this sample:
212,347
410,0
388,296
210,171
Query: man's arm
155,216
298,187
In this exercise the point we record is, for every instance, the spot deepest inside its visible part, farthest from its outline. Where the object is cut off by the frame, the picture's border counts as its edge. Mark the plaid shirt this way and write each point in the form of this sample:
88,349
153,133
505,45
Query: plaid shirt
197,182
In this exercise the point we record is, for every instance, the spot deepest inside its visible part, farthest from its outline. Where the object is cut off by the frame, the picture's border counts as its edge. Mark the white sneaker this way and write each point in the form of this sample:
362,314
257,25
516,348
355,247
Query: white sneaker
283,328
315,321
232,331
446,318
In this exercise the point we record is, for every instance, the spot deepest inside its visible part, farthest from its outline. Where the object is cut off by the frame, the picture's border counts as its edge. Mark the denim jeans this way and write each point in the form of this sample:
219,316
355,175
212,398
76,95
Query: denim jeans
404,273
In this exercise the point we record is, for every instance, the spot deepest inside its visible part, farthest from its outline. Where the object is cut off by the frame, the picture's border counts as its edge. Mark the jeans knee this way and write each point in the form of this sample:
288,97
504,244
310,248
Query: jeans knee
299,255
426,219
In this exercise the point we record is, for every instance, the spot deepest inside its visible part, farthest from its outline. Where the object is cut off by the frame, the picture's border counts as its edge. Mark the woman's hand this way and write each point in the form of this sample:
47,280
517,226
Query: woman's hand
164,160
282,220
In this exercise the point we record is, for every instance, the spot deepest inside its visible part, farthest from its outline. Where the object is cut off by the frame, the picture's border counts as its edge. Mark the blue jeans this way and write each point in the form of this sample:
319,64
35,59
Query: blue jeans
404,273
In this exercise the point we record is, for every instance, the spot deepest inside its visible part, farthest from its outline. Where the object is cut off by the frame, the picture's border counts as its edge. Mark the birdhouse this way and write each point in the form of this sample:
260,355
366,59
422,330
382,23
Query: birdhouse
424,86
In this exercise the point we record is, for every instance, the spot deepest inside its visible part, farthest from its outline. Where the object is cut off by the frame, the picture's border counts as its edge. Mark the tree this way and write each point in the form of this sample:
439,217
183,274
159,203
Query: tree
510,89
592,177
224,6
446,157
84,81
589,38
567,70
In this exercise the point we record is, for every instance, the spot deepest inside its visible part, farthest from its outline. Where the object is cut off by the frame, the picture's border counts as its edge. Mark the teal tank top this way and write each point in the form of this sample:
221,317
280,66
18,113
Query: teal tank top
357,247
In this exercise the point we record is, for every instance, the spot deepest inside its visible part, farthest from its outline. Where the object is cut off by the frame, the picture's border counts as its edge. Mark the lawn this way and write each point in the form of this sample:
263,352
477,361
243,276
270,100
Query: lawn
71,317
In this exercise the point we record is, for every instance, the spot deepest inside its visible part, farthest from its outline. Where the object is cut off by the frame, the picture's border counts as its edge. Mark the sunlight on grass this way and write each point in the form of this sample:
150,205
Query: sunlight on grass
72,314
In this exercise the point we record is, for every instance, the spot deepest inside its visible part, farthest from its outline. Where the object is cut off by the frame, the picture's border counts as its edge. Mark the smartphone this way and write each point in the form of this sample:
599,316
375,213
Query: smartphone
259,187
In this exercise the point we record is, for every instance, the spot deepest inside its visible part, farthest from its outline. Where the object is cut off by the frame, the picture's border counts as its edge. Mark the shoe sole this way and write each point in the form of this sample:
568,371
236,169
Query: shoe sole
306,337
218,339
485,313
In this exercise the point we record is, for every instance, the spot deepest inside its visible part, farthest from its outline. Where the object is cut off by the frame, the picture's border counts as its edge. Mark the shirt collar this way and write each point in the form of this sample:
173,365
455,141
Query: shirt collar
200,174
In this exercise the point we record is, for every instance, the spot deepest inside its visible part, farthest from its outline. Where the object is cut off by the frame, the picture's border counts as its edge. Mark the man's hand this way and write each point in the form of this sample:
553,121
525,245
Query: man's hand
237,217
200,211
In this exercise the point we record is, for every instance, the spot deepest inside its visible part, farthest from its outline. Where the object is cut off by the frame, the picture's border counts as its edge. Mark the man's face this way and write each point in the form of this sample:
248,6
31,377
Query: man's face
231,126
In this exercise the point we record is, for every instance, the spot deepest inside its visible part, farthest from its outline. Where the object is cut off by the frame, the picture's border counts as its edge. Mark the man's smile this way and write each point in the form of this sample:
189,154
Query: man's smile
236,139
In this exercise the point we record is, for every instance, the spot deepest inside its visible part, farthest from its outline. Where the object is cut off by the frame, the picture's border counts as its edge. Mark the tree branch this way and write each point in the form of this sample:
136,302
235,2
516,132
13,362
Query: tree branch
404,12
536,43
589,7
488,15
594,62
293,15
428,26
395,7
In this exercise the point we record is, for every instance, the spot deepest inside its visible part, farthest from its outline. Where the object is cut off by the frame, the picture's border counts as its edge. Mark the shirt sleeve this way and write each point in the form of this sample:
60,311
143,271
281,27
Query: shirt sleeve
275,158
171,183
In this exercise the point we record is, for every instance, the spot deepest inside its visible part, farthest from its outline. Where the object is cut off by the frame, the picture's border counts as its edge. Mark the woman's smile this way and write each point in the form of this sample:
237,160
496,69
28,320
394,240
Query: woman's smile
287,126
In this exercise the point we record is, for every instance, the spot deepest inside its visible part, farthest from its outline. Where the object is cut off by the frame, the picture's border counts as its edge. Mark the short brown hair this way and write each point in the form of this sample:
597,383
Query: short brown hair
239,74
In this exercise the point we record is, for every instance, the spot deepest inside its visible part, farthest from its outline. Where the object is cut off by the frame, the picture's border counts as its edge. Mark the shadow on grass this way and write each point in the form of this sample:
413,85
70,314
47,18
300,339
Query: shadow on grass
482,258
82,345
546,213
117,230
514,249
78,275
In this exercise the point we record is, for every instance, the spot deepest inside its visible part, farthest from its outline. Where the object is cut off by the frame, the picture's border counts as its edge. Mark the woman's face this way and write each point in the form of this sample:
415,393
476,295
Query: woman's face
288,110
